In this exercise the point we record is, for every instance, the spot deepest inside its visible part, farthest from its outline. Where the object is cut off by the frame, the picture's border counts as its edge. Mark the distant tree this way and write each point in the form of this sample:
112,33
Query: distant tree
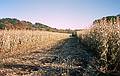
110,17
2,26
118,15
12,21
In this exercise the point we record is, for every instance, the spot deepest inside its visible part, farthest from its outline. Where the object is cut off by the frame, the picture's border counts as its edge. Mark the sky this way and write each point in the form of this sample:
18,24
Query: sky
65,14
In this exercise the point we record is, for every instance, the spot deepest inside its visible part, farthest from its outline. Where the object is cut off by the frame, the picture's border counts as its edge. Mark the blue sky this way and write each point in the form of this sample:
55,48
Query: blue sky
72,14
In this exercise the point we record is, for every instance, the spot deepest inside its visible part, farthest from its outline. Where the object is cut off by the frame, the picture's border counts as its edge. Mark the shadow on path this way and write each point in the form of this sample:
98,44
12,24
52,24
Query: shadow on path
69,52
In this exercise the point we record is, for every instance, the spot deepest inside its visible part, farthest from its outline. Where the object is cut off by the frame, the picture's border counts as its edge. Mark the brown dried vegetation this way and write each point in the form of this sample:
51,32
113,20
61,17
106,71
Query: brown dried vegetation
104,40
13,42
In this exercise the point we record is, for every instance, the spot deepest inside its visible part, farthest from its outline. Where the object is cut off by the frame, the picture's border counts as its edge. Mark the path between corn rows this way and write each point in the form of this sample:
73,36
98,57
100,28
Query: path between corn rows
68,59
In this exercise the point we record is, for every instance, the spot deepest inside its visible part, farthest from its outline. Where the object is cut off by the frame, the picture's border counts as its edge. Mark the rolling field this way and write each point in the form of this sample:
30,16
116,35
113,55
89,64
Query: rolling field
13,42
94,52
69,58
41,53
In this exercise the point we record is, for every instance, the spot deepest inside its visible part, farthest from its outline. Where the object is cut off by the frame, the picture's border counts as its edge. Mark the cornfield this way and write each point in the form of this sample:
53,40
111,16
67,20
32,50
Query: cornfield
13,42
104,41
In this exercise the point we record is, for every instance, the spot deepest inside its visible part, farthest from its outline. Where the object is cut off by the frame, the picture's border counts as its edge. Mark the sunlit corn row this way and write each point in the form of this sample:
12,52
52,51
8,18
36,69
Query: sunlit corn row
20,41
104,41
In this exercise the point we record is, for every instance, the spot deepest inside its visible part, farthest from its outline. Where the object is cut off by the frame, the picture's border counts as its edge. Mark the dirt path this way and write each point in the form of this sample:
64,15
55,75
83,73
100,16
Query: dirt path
67,59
